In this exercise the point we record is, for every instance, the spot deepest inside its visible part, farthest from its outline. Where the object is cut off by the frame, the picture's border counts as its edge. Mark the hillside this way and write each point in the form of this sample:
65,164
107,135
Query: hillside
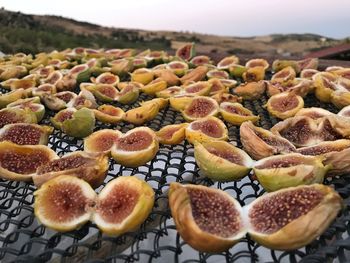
33,33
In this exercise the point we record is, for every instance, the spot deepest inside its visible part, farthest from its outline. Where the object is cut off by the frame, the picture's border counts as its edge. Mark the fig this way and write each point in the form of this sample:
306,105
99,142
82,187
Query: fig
101,141
53,78
26,83
345,112
308,73
142,75
218,74
308,63
208,219
237,71
227,62
200,88
278,65
10,97
200,107
221,161
217,87
172,134
136,147
168,76
180,102
236,113
325,84
178,68
196,74
285,74
313,113
254,74
260,143
109,114
13,72
258,62
228,83
25,133
292,169
129,94
333,127
156,56
59,100
293,217
85,99
154,86
19,162
104,92
226,97
298,87
44,89
61,116
142,114
251,90
107,78
161,102
139,63
80,72
340,98
206,129
90,167
42,72
123,205
31,104
169,92
284,105
122,85
186,52
16,115
121,66
200,60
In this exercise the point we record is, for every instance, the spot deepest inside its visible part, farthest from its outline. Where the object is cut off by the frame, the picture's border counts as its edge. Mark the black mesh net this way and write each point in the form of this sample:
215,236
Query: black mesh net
23,238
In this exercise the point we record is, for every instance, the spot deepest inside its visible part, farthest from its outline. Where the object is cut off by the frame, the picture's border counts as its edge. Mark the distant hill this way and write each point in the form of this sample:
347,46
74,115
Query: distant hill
33,33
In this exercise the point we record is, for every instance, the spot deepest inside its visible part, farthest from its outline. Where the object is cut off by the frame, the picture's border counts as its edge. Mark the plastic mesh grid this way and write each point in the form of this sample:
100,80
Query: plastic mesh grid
23,239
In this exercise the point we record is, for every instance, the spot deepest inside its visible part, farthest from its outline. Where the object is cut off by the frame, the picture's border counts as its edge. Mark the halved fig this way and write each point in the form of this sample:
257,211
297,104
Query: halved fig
308,73
260,143
345,112
257,62
85,99
218,74
308,63
237,70
285,74
109,114
101,141
236,113
19,162
161,102
10,97
123,205
221,161
154,86
13,72
80,72
200,60
107,78
340,98
284,105
342,72
53,78
208,219
59,100
200,88
178,67
142,114
314,113
325,84
196,74
172,134
226,97
251,90
136,147
206,129
298,86
16,115
104,92
44,89
25,133
217,87
129,94
228,83
64,203
168,76
142,75
292,169
169,92
278,65
180,102
186,52
227,62
61,116
156,56
32,104
291,218
254,74
139,62
299,130
90,167
26,83
333,127
200,107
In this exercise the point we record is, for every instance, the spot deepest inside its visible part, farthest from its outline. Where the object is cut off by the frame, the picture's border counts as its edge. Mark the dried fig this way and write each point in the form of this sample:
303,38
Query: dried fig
142,114
101,141
16,115
30,104
172,134
200,107
228,83
218,74
104,92
178,68
154,86
227,62
226,97
308,73
297,86
168,76
278,65
106,78
161,102
169,92
217,87
345,112
236,114
129,94
200,61
313,113
325,84
196,74
340,98
186,52
142,75
44,89
201,88
251,90
284,105
180,102
10,97
237,70
254,74
85,99
258,62
59,100
285,74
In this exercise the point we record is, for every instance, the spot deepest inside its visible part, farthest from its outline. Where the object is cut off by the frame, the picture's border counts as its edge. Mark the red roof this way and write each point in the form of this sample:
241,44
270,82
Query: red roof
331,51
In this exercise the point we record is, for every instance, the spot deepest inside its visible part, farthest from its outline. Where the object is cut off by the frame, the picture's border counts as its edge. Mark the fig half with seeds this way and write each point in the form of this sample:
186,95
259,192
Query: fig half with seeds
59,100
285,74
284,105
260,143
90,167
206,129
136,147
221,161
345,112
200,60
325,85
228,62
217,87
218,74
85,99
196,74
200,88
16,115
104,92
32,104
19,162
106,78
236,113
200,107
172,134
101,141
293,169
209,220
25,133
109,114
258,62
251,90
129,94
178,68
186,52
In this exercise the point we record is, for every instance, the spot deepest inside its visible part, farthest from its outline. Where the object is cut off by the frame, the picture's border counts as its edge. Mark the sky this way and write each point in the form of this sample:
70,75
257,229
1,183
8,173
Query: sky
221,17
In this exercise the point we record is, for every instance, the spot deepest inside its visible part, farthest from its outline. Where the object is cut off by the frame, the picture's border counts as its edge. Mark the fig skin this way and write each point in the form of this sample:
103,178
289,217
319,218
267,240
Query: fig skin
42,200
196,74
169,92
218,168
344,112
155,86
285,74
258,62
287,97
115,114
168,76
138,157
180,102
181,210
129,94
340,99
142,114
142,75
278,65
226,97
176,138
251,90
198,135
91,142
191,117
310,170
254,74
217,87
325,85
7,146
10,97
96,91
236,118
81,125
93,171
204,88
139,213
227,62
306,228
257,147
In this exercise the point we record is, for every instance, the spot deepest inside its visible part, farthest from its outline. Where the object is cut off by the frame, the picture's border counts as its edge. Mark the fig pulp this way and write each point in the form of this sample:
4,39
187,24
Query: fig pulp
172,134
260,143
228,62
90,167
293,169
200,107
186,52
109,114
19,162
284,105
136,147
251,90
101,141
236,114
221,161
201,88
178,68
